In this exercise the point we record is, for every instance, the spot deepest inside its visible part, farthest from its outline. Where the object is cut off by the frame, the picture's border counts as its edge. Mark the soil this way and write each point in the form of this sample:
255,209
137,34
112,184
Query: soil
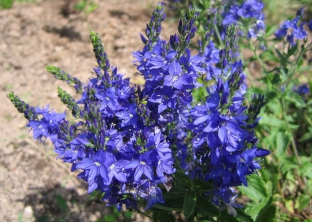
34,186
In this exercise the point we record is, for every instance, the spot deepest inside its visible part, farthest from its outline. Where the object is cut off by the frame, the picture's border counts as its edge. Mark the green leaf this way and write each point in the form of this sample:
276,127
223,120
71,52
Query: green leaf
225,217
270,95
206,208
305,137
61,202
300,62
200,185
282,141
109,218
6,4
253,209
182,179
306,169
267,214
276,79
175,192
189,203
270,29
256,190
269,55
243,216
281,56
302,202
295,99
199,94
287,164
292,50
163,216
161,207
175,203
81,5
91,7
273,121
268,202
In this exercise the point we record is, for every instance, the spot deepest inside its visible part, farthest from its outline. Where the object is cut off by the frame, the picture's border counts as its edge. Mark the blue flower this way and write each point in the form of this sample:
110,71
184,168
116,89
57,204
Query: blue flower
176,77
302,90
128,117
231,205
108,99
297,31
114,168
47,125
143,166
154,197
95,169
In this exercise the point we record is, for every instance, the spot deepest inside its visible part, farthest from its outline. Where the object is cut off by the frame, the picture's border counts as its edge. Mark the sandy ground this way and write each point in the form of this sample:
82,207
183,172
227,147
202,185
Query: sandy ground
51,32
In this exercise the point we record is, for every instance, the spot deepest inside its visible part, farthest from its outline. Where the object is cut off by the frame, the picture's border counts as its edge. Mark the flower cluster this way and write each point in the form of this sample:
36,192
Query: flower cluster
128,141
291,29
247,10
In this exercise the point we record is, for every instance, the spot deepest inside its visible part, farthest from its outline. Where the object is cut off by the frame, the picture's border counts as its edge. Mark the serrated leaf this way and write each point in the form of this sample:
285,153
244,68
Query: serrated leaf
269,55
243,216
273,121
163,216
296,99
281,56
175,203
282,141
292,50
270,95
267,214
287,164
256,190
276,79
162,207
182,179
189,203
175,192
200,185
268,202
270,29
225,217
302,202
300,62
253,209
206,208
305,137
306,169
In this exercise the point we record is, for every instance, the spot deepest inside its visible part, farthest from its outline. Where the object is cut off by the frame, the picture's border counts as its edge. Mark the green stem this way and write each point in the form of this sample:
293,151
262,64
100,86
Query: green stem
247,72
297,61
308,119
257,56
293,143
166,208
218,35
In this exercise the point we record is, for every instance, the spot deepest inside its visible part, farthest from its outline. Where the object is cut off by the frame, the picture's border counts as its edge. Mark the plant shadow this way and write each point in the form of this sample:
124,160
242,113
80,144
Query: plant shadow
55,203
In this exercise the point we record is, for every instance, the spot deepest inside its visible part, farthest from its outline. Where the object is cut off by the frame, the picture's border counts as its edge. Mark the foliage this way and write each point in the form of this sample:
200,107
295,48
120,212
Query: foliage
7,4
86,6
187,140
285,122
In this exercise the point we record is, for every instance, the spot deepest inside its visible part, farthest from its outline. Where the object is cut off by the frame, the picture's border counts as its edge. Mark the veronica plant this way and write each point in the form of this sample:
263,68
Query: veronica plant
182,142
285,126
